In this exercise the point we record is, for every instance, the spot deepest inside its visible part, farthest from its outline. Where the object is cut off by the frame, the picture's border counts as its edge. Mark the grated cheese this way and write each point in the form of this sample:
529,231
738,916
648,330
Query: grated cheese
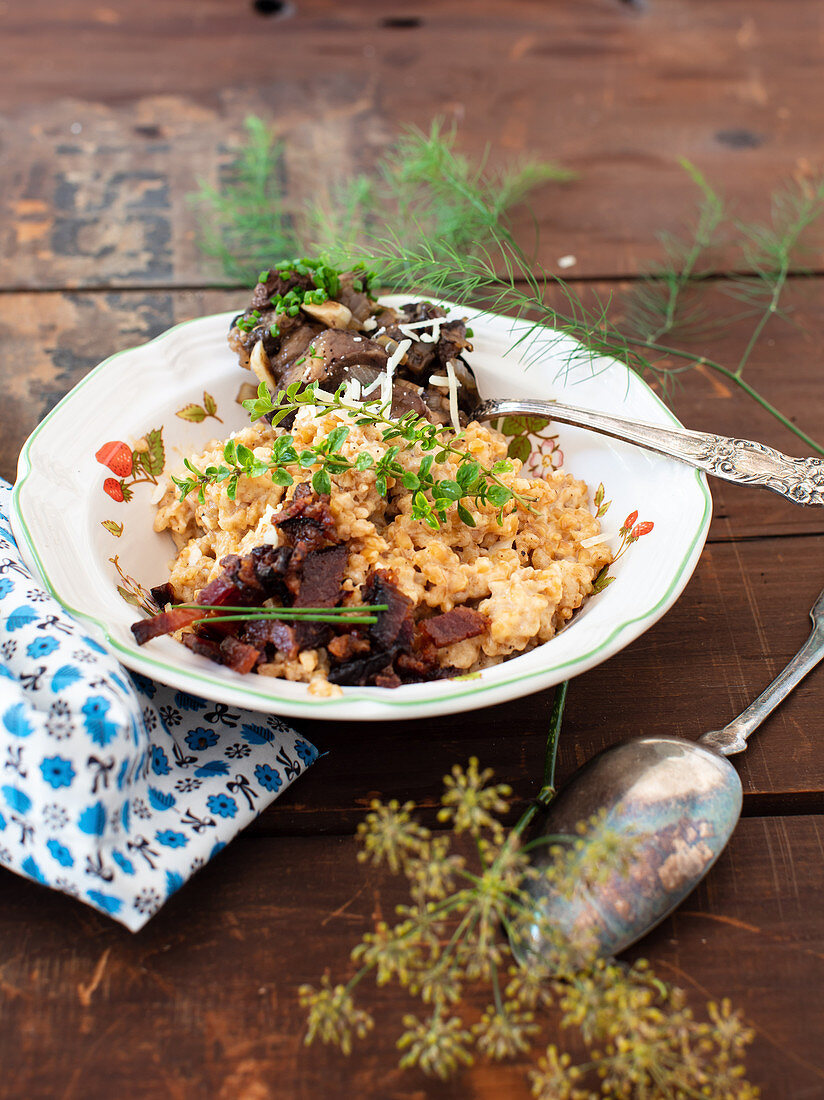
421,324
424,337
401,349
395,358
159,490
352,390
372,385
453,395
594,540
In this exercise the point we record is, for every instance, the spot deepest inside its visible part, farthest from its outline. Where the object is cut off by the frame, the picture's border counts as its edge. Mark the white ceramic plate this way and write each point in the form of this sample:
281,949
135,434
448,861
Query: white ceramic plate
60,508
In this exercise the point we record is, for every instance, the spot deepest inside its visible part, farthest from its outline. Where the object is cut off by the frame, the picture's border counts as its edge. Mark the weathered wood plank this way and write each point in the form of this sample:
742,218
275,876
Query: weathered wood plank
202,1002
48,342
128,104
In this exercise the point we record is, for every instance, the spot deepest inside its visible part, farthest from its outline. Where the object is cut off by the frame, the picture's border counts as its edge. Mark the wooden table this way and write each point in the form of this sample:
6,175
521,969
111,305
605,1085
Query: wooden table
111,111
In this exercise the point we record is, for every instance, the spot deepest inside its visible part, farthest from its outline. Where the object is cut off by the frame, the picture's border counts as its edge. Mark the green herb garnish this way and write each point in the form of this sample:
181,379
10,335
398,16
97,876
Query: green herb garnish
246,324
420,184
433,497
451,238
344,615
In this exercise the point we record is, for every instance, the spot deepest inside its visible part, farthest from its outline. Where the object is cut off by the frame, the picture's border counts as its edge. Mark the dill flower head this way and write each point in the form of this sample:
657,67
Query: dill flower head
472,922
389,951
530,986
437,1045
469,803
332,1015
432,875
505,1032
555,1078
390,835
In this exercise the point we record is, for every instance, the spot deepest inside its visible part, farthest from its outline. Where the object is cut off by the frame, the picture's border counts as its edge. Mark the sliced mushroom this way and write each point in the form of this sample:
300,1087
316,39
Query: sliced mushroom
259,362
331,313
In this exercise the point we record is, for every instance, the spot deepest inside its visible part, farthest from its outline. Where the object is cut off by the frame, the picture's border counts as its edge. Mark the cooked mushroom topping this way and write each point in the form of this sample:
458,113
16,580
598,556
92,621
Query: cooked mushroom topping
307,323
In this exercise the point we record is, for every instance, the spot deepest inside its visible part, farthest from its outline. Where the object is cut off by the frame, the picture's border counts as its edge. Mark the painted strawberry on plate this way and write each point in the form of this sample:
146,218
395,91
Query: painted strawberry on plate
132,465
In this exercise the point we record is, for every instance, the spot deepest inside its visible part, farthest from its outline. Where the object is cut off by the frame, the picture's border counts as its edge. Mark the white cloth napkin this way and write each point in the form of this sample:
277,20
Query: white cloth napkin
114,788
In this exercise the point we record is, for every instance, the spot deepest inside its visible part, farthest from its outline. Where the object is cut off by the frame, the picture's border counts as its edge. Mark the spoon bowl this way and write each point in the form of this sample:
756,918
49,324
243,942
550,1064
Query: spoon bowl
677,800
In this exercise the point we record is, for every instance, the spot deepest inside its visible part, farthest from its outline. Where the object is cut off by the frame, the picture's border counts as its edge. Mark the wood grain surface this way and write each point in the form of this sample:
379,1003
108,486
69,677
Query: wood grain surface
110,112
202,1002
132,103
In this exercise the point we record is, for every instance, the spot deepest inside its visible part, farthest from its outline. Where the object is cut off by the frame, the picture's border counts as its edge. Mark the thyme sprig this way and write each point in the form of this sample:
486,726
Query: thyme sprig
433,496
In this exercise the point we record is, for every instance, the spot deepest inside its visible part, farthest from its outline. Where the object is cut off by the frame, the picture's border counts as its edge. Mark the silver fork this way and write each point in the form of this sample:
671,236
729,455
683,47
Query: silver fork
742,461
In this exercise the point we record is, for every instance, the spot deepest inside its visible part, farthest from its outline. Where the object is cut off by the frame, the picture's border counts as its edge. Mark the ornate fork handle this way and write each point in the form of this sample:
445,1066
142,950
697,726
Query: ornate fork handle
742,461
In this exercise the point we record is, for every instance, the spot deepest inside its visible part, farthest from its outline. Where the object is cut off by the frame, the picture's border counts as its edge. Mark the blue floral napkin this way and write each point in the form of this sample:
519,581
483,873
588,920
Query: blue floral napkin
113,788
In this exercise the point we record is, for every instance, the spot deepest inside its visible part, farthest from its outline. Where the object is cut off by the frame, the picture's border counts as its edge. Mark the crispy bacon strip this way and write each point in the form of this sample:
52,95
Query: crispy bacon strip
262,632
167,622
454,626
202,646
237,655
380,587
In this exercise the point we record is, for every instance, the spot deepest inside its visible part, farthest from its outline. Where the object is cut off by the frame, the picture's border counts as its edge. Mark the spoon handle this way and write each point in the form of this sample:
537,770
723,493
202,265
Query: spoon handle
742,461
733,737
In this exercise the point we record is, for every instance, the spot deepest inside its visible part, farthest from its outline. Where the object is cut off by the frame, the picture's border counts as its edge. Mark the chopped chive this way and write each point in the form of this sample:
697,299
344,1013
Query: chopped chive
300,618
282,610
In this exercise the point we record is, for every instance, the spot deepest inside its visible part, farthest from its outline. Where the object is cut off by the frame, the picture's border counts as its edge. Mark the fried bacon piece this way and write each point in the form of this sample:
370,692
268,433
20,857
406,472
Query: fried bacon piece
388,678
361,670
321,577
389,637
167,622
204,647
272,570
224,589
162,594
271,632
345,646
380,587
306,522
421,666
454,626
237,655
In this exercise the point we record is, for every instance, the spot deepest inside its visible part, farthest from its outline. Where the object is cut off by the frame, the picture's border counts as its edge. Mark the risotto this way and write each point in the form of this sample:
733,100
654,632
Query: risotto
526,576
384,546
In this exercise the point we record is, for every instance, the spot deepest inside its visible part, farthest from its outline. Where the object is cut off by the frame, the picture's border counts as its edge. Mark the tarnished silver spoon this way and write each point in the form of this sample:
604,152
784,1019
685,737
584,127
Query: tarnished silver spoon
743,461
681,799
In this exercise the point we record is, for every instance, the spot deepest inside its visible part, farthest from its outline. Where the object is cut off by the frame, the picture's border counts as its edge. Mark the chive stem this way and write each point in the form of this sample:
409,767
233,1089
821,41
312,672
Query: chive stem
316,618
283,610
